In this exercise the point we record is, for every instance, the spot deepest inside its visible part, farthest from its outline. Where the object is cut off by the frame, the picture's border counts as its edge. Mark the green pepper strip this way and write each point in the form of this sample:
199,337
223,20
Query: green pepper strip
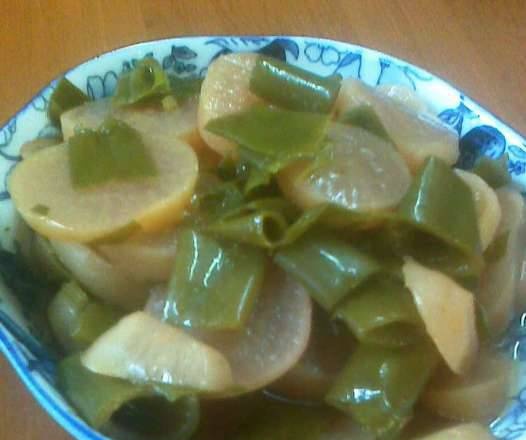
380,386
277,136
494,171
97,398
441,206
327,266
76,319
146,81
293,88
65,96
114,152
214,285
381,311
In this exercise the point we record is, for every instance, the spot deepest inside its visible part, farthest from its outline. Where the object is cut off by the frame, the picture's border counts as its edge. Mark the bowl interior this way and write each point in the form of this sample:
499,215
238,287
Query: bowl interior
480,132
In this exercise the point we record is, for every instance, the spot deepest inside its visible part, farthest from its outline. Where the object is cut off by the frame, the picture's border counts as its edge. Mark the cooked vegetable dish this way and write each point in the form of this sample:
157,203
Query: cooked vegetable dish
267,254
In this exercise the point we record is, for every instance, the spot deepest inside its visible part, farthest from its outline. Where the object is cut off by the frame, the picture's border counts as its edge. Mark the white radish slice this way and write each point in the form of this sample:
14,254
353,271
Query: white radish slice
480,395
346,429
467,431
139,348
93,213
225,90
36,145
363,173
274,338
405,96
416,135
150,121
144,257
498,292
99,277
448,313
487,206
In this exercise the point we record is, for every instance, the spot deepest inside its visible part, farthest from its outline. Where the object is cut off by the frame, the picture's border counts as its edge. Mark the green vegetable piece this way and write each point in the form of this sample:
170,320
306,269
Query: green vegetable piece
114,152
439,203
327,266
278,136
380,386
381,311
293,88
364,116
76,319
98,398
214,285
494,171
185,88
286,422
146,81
64,97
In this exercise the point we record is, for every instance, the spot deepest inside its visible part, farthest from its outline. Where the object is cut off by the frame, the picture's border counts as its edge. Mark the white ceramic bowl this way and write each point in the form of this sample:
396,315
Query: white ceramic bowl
480,131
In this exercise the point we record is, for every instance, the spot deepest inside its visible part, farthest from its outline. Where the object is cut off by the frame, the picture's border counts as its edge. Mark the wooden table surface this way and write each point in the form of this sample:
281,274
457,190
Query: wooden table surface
477,45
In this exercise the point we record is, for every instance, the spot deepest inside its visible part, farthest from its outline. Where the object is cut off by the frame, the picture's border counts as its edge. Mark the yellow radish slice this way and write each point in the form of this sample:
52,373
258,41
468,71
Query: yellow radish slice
363,173
43,180
416,135
405,96
448,312
99,277
225,90
274,338
486,205
467,431
150,121
139,348
480,395
499,283
144,257
37,145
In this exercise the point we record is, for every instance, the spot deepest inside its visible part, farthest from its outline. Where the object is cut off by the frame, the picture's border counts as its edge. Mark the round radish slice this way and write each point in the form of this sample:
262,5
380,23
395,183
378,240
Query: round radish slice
405,96
486,205
225,90
144,257
139,348
83,215
467,431
364,173
99,277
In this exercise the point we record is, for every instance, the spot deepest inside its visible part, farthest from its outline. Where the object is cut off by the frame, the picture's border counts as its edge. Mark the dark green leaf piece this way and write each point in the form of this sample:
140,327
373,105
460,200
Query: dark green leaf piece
494,171
185,88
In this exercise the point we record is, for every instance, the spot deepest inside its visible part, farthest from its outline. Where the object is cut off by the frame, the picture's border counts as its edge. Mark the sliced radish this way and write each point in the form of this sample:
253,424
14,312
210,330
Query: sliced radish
448,312
467,431
139,348
225,90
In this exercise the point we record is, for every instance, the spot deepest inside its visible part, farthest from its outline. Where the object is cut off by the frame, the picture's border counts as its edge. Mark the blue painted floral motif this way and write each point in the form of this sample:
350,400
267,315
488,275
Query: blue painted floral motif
101,86
483,140
179,60
6,137
454,117
394,73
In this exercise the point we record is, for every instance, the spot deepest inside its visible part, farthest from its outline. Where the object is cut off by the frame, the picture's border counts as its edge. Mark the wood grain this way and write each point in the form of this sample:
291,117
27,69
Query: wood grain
478,45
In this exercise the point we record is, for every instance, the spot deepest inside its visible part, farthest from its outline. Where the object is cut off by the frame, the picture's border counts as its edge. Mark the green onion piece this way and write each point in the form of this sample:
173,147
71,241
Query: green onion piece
381,311
327,266
98,398
65,96
185,88
214,285
293,88
494,171
440,204
146,81
76,319
380,386
114,152
278,136
365,116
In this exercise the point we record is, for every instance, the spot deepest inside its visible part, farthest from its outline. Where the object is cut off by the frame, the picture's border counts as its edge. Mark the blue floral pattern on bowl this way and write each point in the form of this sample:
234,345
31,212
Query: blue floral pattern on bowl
480,133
